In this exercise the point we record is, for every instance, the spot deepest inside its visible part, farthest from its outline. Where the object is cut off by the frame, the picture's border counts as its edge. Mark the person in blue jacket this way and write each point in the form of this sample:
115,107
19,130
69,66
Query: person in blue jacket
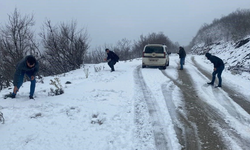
218,68
112,59
30,67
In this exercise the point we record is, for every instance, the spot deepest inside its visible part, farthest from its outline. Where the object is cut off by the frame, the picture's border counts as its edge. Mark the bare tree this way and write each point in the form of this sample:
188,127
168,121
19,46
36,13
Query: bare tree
139,45
16,41
234,27
65,47
96,56
126,50
123,49
153,38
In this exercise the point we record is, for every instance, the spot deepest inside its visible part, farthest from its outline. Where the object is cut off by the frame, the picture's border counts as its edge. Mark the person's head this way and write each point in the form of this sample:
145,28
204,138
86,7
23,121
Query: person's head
107,50
181,48
208,55
31,61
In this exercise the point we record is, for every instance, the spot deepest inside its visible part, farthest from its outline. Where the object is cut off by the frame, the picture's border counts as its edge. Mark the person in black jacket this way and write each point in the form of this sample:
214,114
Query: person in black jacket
112,59
218,68
30,67
182,55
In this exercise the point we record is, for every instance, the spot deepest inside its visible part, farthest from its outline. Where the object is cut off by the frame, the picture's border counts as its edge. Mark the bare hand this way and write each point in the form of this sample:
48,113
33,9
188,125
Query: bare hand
214,69
32,78
15,90
105,59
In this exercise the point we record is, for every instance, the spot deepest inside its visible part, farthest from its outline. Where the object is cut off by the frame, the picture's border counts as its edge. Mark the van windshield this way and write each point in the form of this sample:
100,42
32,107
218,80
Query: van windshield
154,49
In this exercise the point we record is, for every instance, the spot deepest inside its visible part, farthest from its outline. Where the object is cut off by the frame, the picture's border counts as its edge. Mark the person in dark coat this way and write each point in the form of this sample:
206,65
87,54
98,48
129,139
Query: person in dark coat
112,59
218,68
30,67
182,55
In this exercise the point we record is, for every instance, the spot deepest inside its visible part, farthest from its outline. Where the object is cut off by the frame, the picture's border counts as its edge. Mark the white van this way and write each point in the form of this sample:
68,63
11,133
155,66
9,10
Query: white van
155,55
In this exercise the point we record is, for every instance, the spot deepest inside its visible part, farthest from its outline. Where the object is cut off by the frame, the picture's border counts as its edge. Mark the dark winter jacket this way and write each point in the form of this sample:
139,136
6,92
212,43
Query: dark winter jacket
182,53
22,67
112,56
215,60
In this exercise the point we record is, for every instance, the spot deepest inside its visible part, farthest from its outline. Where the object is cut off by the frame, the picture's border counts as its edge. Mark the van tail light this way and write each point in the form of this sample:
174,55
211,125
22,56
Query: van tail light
164,55
143,54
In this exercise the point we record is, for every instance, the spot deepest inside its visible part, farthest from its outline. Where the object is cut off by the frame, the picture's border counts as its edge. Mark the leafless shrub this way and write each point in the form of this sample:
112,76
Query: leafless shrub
97,69
1,117
97,119
36,115
86,72
58,87
65,47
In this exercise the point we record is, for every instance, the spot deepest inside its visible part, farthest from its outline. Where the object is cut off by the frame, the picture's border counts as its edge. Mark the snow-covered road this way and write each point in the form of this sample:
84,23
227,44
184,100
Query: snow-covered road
211,111
131,108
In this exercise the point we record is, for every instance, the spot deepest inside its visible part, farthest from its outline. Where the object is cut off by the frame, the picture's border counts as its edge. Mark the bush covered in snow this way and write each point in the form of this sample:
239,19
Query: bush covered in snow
58,87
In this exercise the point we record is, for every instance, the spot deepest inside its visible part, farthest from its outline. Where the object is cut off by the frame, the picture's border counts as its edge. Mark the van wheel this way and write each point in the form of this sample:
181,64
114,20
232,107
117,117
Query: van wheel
143,66
164,67
167,64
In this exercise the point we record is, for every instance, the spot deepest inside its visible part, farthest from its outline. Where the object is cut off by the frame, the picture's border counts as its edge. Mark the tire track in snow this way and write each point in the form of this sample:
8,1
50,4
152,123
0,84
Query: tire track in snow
160,140
224,123
186,130
200,115
224,99
233,94
232,108
236,118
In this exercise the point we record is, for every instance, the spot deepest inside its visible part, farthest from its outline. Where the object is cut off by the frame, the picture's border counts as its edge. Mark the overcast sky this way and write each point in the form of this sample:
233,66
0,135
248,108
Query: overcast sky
108,21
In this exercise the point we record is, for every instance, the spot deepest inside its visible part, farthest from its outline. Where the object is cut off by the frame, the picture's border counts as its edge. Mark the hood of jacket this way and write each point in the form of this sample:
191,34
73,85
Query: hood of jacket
208,55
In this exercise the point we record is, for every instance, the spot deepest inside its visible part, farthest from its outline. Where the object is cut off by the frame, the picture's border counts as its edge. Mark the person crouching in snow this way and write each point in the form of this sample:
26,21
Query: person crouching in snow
218,68
112,59
30,67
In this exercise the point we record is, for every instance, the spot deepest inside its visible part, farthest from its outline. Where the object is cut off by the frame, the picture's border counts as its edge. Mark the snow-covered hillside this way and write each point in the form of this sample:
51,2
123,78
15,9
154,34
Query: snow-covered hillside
123,110
235,55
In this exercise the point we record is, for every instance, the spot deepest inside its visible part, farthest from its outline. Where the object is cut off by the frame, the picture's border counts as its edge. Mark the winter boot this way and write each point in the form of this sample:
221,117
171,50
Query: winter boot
218,86
11,95
210,83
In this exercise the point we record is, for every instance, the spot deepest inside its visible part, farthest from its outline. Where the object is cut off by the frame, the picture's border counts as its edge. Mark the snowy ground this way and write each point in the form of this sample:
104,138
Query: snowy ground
124,110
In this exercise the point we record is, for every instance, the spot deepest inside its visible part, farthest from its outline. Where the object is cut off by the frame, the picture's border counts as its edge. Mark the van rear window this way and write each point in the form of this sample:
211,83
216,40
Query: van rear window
154,49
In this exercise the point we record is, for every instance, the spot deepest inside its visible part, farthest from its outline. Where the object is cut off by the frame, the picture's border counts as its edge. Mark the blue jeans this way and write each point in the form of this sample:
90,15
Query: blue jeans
182,60
111,64
32,84
218,71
